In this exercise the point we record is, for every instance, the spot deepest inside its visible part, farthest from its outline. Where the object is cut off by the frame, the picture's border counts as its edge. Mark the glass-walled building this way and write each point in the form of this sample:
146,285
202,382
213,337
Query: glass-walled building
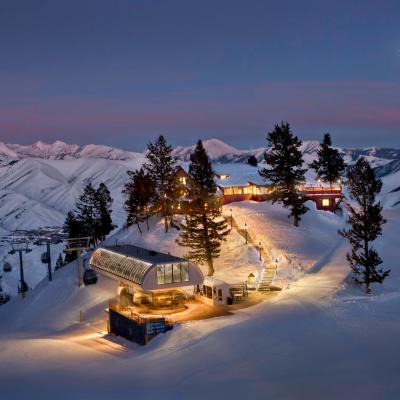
146,276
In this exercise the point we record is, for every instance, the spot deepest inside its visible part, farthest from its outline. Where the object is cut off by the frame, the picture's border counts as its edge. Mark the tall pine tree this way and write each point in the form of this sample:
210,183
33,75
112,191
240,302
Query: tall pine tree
139,192
366,220
161,167
204,229
72,229
330,164
103,206
87,213
285,171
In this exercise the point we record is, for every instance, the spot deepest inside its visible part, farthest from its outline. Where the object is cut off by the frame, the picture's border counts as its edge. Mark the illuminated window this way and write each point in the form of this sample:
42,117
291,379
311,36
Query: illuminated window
247,190
168,273
176,272
185,272
325,202
183,180
160,275
172,273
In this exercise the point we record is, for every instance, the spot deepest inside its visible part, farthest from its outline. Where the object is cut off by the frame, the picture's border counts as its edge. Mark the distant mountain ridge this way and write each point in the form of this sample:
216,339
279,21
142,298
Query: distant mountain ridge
60,151
218,151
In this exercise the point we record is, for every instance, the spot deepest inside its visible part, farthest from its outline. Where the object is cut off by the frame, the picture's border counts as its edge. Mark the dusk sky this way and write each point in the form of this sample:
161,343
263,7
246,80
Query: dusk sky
121,72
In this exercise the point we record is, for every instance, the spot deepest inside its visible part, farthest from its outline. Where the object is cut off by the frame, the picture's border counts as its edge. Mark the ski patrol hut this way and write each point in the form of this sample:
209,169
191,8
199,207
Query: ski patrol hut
146,276
214,292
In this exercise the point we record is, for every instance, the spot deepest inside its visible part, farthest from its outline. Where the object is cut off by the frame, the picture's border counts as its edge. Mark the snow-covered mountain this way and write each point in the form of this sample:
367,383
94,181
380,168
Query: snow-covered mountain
61,151
218,151
39,192
40,183
215,148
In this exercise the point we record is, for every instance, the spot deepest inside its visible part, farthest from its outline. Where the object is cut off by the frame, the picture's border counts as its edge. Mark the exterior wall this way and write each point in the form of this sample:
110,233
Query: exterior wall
316,194
231,198
319,195
333,202
215,298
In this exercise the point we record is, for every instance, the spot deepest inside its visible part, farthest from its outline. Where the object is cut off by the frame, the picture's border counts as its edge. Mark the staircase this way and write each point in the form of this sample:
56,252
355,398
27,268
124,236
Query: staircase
269,272
266,280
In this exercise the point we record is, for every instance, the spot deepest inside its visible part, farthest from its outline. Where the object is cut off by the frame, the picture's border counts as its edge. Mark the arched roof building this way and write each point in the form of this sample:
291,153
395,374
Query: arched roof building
144,269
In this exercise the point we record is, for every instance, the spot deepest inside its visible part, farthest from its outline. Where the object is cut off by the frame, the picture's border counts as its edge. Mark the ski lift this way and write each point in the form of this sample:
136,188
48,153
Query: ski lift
7,267
89,277
45,257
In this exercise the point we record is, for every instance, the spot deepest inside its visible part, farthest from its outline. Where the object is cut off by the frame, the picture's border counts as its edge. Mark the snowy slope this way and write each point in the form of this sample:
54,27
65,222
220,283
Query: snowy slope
319,338
32,188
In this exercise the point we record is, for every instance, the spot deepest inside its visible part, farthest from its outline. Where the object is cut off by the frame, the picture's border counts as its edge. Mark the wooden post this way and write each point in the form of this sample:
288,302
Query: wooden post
79,268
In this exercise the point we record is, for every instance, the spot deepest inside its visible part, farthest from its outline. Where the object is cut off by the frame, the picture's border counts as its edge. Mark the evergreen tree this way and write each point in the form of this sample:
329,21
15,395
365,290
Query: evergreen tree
161,167
72,229
366,220
285,173
252,160
330,164
103,205
139,192
88,214
204,228
60,262
4,296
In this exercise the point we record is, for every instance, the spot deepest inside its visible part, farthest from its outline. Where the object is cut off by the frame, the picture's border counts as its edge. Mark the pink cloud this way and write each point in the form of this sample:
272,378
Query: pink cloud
229,108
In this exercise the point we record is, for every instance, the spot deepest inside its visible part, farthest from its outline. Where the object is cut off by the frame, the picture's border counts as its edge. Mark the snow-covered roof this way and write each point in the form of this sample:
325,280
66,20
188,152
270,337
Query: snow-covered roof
129,262
236,174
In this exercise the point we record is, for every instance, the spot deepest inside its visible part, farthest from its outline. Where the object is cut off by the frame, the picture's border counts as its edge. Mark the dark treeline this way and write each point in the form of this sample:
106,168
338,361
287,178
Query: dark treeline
92,216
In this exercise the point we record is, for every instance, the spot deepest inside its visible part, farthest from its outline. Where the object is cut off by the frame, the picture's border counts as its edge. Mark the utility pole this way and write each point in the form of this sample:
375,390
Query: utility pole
245,228
231,219
259,246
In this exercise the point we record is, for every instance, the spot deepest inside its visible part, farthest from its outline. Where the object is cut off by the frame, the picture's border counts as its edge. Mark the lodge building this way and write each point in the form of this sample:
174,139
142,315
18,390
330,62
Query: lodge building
239,182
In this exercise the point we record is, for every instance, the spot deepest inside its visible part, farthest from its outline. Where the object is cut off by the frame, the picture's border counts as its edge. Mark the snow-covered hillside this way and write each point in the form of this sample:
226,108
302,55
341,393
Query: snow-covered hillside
41,182
37,192
319,337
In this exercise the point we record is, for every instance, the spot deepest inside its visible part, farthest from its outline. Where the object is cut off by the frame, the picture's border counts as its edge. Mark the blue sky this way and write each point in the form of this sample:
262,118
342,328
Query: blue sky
121,72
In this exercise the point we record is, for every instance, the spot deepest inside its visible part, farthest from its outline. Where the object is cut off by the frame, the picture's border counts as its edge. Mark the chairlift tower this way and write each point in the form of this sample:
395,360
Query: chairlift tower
21,247
77,245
